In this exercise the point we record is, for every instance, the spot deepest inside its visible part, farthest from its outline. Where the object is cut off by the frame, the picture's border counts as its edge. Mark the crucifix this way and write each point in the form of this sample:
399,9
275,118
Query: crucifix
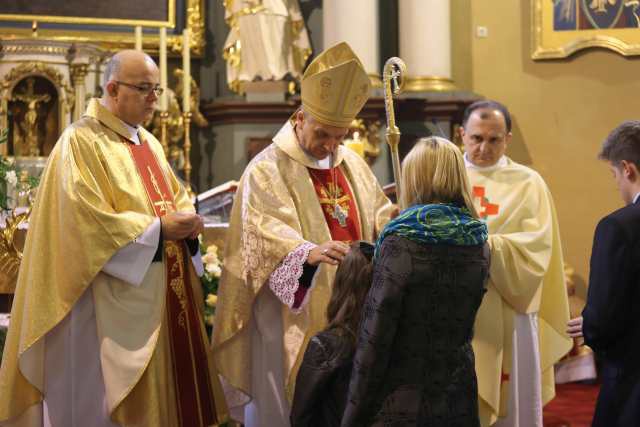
29,125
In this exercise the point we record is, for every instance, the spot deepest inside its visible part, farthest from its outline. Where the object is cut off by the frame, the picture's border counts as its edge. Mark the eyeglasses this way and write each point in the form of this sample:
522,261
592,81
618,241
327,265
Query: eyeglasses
144,89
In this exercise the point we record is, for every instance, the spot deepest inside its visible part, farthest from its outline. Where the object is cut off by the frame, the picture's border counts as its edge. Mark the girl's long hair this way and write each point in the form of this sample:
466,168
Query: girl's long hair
350,288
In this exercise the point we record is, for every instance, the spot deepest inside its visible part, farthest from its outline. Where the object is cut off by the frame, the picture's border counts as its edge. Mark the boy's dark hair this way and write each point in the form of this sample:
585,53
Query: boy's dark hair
350,288
487,105
623,143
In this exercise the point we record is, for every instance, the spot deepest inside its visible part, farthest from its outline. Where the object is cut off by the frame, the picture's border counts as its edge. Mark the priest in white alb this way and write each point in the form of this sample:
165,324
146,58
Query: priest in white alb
520,326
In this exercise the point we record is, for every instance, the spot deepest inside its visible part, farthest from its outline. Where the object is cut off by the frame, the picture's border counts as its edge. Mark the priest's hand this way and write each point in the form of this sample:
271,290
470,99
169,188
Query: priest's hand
331,252
574,327
181,225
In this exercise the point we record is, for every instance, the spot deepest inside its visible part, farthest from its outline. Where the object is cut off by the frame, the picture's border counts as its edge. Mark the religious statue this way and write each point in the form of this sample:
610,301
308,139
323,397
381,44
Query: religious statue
175,131
175,121
26,142
197,116
267,41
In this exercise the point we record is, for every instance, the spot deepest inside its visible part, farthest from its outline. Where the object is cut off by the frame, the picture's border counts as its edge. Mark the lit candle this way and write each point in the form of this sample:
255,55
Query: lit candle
163,68
186,68
355,144
138,32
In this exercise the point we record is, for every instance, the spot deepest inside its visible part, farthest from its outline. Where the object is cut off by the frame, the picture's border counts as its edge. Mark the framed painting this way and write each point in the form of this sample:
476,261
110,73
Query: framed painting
115,12
109,25
562,27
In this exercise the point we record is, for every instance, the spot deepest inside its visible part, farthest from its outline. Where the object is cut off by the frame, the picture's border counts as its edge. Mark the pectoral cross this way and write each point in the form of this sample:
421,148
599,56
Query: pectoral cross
340,215
163,204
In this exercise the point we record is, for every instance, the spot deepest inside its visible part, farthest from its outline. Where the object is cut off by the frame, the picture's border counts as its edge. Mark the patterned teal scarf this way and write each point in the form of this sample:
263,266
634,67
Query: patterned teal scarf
436,224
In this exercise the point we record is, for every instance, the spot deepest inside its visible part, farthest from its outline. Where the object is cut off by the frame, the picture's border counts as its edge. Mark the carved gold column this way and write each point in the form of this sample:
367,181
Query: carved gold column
78,75
425,44
355,22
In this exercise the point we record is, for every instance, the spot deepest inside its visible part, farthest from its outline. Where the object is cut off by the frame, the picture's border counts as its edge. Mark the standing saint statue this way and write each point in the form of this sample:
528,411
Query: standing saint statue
267,40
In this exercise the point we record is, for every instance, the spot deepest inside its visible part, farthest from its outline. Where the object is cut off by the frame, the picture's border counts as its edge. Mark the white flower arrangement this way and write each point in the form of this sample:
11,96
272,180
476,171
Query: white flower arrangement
212,271
11,177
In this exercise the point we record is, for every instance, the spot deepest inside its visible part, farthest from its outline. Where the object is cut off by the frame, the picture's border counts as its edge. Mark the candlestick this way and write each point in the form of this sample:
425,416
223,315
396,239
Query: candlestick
163,68
164,121
186,68
187,151
138,37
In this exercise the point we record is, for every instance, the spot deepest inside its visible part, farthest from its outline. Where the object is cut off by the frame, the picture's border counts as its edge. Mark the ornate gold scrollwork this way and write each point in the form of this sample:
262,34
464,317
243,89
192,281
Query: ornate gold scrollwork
195,23
10,254
78,73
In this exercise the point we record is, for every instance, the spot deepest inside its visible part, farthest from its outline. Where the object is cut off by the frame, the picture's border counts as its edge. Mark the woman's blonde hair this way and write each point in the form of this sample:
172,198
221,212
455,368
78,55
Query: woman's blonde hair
434,172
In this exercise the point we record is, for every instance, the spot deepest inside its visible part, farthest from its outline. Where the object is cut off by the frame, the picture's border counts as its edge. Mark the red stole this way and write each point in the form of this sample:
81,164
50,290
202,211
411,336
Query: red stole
194,394
328,193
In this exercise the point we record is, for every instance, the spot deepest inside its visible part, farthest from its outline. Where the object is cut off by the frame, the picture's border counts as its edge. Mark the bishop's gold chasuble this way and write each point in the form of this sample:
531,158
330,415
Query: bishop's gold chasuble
527,276
98,193
276,209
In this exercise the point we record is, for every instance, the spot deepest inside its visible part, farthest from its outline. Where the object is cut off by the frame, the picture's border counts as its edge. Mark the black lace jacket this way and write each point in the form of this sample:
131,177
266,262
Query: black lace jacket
323,380
414,365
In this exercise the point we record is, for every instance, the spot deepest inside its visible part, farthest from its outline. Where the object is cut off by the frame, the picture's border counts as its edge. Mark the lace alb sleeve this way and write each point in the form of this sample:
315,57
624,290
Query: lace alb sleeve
285,279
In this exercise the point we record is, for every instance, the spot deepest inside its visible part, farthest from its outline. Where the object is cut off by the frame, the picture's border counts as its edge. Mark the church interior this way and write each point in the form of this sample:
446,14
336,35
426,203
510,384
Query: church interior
231,73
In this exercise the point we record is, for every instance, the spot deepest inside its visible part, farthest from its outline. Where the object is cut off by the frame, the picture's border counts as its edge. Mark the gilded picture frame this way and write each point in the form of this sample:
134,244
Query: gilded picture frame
117,12
112,36
563,27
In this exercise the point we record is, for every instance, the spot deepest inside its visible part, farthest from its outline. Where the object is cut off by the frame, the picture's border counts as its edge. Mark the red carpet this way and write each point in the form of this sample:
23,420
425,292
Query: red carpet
573,405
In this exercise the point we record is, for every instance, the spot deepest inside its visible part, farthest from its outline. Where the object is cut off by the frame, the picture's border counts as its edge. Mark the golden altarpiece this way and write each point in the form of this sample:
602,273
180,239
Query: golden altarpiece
47,76
43,88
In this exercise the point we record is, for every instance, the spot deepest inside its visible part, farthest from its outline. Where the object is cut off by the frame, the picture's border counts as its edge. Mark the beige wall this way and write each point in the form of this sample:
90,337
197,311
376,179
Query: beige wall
562,109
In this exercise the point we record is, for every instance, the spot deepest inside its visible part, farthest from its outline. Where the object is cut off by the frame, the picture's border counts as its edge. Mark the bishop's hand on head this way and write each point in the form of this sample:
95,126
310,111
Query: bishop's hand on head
331,252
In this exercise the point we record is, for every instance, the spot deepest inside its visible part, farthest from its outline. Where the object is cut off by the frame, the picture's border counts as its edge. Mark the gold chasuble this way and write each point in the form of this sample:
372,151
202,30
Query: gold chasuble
526,276
98,193
277,209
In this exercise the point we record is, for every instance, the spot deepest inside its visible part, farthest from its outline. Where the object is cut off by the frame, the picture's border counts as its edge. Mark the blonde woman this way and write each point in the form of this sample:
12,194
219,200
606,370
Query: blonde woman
414,364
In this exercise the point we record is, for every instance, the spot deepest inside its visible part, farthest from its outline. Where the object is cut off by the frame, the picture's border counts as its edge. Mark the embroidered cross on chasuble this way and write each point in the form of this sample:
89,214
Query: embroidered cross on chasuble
194,393
337,202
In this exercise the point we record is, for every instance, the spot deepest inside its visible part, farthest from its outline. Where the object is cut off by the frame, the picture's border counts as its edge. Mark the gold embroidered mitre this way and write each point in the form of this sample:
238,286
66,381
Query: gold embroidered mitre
335,86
